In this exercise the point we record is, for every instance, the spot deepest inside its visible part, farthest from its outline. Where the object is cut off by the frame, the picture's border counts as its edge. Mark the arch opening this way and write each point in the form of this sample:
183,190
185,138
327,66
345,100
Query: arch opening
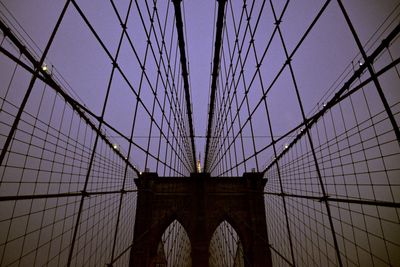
226,248
174,248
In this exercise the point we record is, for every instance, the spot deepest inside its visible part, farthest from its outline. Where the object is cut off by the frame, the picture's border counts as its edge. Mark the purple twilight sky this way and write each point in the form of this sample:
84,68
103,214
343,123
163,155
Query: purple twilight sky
323,56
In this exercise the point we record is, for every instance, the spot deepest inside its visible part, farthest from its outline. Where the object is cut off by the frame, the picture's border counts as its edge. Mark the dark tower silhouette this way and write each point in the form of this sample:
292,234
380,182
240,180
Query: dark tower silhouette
200,204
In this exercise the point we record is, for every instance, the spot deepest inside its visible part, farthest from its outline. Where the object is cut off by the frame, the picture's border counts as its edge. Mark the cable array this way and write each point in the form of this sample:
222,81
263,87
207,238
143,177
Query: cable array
310,101
67,188
330,159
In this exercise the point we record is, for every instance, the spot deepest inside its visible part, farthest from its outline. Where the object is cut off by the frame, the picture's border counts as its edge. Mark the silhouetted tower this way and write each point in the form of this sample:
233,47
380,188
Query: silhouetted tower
201,203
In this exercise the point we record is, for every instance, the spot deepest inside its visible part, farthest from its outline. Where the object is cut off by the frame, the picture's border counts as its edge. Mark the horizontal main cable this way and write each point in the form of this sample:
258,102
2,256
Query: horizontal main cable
215,73
181,42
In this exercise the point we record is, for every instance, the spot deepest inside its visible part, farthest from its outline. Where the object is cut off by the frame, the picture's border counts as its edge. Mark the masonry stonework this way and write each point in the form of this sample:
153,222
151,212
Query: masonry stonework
200,203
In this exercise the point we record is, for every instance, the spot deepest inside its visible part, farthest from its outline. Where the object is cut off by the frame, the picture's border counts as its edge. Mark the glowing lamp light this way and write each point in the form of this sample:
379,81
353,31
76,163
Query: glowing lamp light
44,67
198,166
286,146
115,146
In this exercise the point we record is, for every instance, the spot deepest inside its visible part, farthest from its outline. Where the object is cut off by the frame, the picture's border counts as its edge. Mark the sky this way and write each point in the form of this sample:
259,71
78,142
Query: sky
326,52
200,22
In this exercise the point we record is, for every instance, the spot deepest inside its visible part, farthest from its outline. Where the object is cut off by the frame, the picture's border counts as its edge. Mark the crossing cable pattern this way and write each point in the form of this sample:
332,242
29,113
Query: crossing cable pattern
68,162
330,160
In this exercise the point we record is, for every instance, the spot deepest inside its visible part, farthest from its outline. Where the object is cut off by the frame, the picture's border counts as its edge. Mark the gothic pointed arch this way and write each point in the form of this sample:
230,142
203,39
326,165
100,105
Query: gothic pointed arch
226,247
176,247
198,206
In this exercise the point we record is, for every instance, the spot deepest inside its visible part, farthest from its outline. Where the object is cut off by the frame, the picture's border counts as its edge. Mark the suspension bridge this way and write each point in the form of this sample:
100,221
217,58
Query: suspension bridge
106,160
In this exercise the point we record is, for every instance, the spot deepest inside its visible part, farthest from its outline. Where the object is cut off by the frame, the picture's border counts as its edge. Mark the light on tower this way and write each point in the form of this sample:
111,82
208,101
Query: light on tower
198,166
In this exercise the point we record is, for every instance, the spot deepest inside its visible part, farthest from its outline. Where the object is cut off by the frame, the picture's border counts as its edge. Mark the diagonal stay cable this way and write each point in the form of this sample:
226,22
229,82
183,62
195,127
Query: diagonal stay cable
216,61
181,41
106,50
33,79
341,95
234,84
169,70
338,96
48,79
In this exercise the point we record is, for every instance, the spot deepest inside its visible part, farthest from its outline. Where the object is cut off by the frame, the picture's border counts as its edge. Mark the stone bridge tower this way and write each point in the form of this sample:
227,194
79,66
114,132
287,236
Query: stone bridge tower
200,203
